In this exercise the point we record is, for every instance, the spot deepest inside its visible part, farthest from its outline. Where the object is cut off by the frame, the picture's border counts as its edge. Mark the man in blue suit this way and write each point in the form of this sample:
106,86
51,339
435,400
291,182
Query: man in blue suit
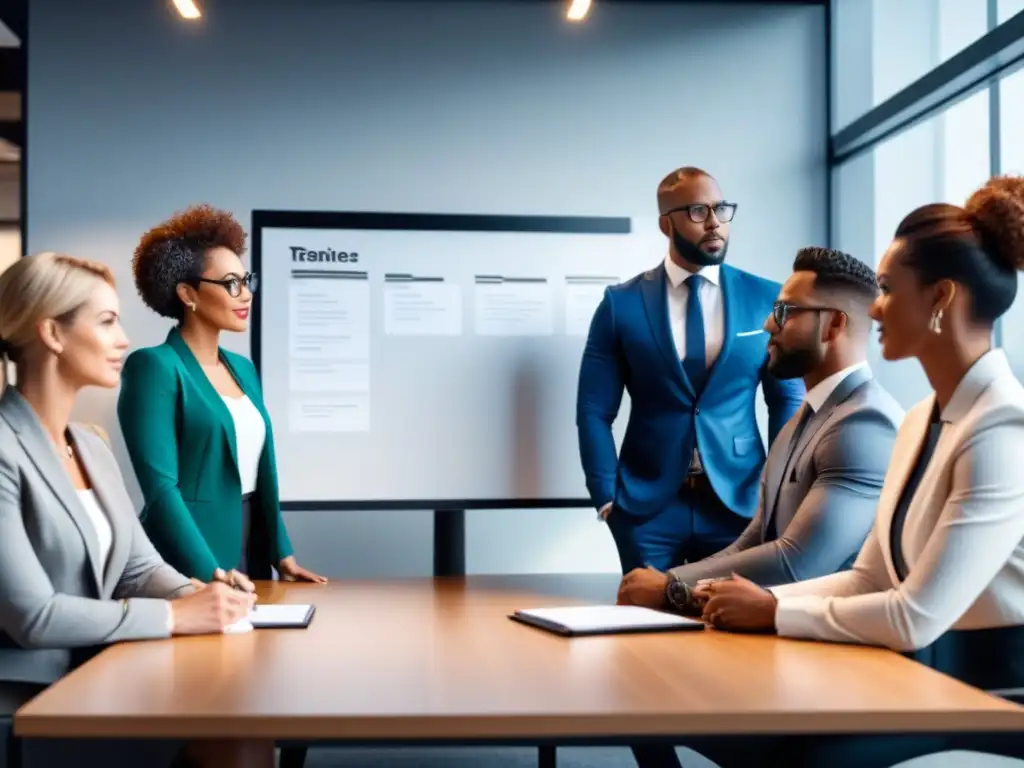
685,339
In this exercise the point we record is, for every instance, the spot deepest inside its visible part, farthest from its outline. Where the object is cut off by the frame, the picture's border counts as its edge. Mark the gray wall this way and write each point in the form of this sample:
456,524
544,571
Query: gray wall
438,107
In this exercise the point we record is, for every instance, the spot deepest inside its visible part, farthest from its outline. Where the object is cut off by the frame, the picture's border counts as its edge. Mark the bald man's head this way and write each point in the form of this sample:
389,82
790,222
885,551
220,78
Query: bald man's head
694,217
678,179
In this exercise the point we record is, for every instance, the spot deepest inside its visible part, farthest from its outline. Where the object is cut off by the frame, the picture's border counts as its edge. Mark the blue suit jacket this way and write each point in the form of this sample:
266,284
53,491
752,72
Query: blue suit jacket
630,348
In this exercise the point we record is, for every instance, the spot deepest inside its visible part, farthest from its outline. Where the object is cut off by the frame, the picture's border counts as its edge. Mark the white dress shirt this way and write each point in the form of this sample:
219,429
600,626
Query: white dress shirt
100,523
962,537
820,392
710,304
250,436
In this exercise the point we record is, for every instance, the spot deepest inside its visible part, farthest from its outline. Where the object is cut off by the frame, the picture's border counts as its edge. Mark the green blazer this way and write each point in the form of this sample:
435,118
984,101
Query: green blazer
181,440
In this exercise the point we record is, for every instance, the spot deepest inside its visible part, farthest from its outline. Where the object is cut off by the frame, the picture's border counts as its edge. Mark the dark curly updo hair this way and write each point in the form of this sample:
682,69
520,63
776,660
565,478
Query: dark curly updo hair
980,245
174,252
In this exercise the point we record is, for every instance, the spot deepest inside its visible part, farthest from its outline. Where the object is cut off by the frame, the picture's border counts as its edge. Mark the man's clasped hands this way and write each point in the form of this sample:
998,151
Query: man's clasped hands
732,603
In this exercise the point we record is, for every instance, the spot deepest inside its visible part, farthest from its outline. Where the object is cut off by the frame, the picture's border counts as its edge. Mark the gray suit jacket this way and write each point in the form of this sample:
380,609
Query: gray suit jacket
821,492
56,598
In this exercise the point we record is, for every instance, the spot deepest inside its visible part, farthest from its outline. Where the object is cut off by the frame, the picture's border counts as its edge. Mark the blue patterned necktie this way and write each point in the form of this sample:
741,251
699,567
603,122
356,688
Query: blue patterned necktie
695,361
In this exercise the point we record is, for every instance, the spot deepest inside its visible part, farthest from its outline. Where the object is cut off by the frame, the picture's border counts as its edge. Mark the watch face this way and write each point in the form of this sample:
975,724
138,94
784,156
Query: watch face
677,593
680,596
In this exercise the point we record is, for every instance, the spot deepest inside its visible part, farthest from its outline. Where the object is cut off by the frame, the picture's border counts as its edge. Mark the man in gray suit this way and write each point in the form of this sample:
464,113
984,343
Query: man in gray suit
824,472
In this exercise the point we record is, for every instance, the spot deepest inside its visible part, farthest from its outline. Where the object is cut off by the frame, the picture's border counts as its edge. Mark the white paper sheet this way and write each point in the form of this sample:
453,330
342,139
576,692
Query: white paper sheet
582,297
329,351
269,614
513,307
329,412
593,618
329,376
279,614
329,318
420,307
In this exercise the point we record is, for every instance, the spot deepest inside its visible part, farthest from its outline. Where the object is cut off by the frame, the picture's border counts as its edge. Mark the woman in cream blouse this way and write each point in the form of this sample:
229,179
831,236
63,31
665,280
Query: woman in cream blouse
941,575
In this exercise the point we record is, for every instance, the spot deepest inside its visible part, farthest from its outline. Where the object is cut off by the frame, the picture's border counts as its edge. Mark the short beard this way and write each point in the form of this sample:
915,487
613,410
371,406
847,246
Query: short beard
695,255
793,364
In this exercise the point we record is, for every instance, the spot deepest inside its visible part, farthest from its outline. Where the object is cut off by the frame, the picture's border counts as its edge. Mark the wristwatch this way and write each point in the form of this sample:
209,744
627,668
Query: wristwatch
680,597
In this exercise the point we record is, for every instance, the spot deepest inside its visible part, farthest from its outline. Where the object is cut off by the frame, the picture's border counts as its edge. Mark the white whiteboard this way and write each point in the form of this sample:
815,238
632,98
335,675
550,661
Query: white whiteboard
421,361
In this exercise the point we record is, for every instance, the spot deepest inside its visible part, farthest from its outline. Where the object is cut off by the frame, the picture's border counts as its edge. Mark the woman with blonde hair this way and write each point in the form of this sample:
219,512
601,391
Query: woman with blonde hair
77,571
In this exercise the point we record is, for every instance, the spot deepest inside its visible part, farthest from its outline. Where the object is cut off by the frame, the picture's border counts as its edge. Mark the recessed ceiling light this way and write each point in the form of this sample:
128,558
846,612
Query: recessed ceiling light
577,10
188,9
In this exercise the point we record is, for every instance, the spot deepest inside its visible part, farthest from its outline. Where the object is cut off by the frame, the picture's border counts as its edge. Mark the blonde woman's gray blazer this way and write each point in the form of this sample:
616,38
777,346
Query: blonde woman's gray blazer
56,597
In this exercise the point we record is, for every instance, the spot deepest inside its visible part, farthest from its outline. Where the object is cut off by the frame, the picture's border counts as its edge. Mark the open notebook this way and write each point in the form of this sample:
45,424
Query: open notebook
274,616
603,619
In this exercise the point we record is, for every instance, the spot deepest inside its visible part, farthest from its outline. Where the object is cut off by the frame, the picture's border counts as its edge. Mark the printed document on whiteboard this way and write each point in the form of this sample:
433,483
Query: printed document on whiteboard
421,306
329,351
513,306
583,294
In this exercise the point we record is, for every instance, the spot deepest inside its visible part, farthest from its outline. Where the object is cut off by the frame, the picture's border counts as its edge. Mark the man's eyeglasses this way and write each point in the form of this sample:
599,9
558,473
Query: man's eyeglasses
233,285
781,311
698,212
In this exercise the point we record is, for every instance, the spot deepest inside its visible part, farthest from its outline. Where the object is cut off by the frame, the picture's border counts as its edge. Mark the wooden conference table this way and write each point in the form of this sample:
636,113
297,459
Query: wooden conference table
438,662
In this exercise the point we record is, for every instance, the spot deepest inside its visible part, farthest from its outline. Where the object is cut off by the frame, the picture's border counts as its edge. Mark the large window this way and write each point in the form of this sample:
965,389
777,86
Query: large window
965,154
917,140
1008,8
1011,122
1011,129
882,46
941,159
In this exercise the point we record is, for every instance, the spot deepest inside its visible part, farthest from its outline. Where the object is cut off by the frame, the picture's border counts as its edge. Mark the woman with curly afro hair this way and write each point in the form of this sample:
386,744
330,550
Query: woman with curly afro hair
192,413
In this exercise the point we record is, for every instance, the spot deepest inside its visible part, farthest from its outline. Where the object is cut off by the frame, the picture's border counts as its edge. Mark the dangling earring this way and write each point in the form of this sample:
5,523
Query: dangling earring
936,324
192,306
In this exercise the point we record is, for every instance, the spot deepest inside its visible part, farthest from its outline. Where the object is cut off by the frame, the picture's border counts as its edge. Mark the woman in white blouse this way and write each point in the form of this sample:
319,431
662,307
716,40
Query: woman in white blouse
197,431
77,571
941,576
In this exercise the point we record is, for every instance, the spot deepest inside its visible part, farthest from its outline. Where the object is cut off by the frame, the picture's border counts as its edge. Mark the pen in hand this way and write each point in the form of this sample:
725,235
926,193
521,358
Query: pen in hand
235,580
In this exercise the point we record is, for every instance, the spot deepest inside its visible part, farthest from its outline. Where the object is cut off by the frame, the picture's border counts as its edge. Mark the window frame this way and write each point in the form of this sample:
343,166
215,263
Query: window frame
979,66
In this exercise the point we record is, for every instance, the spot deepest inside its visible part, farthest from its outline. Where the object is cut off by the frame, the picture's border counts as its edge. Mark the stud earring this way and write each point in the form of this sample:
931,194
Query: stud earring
936,324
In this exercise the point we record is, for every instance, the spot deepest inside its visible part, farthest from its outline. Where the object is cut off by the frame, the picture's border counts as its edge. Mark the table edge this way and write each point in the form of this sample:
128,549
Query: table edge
517,727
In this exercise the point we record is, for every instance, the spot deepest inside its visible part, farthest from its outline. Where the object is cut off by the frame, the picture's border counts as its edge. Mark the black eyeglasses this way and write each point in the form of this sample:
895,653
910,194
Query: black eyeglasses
233,285
781,311
698,212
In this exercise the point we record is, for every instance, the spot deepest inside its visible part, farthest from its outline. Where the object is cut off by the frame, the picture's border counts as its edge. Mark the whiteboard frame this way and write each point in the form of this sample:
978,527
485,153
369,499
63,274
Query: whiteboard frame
283,219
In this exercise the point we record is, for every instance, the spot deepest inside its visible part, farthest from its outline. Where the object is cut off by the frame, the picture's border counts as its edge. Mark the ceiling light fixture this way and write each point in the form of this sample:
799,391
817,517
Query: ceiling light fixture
577,10
188,9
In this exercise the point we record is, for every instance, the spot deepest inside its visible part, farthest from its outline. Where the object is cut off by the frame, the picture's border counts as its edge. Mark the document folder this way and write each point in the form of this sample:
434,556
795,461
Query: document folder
281,616
603,620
